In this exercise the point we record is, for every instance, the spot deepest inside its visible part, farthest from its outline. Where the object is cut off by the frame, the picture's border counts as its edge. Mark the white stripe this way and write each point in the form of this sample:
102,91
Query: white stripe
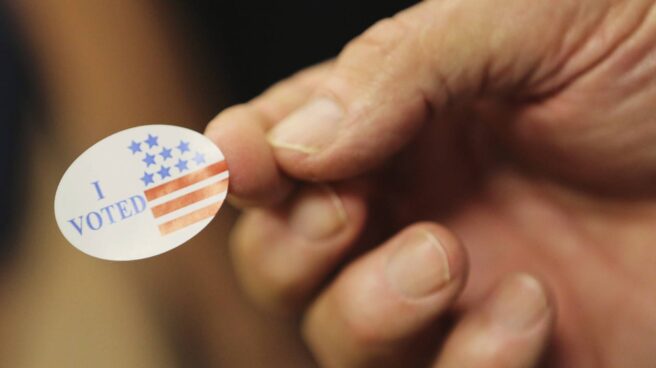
192,207
188,189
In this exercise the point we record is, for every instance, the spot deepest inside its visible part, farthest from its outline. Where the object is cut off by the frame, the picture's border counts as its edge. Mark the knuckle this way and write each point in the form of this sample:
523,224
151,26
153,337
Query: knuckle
308,78
381,39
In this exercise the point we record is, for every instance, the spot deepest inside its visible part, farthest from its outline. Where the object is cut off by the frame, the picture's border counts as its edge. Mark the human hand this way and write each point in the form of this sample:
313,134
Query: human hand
526,129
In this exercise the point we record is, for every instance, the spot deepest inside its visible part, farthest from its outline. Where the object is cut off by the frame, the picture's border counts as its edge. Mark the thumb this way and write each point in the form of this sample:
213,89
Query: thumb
387,82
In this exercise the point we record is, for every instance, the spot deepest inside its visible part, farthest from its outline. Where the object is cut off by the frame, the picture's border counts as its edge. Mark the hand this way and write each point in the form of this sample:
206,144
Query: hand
527,129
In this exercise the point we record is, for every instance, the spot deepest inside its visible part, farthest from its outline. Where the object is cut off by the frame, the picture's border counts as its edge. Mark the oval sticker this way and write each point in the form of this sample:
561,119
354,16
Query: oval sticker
141,192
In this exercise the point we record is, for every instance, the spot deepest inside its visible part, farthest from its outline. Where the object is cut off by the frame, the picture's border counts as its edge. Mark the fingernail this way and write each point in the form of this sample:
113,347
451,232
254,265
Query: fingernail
420,267
310,128
520,303
317,214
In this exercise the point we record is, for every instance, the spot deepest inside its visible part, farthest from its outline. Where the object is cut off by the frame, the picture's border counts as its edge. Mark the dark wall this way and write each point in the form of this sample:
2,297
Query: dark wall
260,42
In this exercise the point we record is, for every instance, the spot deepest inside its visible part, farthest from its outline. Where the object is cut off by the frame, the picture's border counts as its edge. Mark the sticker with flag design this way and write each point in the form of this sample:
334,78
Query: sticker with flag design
141,192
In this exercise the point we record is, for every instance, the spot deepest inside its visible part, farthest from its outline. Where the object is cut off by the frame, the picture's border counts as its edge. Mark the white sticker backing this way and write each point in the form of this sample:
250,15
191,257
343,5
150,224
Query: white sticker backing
141,192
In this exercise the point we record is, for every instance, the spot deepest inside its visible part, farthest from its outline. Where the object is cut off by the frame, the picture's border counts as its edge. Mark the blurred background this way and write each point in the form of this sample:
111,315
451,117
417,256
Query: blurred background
73,72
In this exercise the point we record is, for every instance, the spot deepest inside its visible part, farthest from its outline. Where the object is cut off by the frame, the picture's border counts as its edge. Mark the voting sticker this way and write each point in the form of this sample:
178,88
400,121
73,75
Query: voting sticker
141,192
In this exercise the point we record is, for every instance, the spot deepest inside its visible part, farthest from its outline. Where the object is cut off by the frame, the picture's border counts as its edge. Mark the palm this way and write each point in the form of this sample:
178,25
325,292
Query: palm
518,211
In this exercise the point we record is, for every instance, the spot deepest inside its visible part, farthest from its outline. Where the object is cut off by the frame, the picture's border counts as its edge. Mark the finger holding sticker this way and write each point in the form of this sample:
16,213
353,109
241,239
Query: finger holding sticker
241,131
141,192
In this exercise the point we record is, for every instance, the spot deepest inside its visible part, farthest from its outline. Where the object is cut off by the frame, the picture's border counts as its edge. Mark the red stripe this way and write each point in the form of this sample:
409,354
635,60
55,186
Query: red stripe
189,219
189,198
187,180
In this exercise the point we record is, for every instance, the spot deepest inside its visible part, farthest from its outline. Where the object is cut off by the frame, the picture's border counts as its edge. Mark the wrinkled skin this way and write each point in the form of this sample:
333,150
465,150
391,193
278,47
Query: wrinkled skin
539,153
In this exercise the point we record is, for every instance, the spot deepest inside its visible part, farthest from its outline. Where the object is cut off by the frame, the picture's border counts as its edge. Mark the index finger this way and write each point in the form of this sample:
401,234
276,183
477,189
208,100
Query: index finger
240,131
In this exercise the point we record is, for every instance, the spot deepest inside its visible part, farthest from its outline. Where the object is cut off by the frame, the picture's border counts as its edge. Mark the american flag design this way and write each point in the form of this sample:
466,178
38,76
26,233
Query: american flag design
141,192
181,187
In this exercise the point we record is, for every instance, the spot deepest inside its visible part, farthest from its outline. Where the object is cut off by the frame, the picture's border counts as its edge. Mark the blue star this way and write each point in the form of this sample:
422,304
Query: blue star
182,165
166,153
183,146
149,159
135,147
164,172
147,179
199,158
151,141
